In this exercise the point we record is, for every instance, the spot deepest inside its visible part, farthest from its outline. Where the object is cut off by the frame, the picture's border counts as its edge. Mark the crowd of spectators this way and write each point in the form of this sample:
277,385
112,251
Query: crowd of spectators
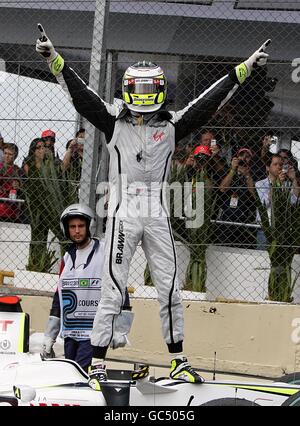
237,177
22,189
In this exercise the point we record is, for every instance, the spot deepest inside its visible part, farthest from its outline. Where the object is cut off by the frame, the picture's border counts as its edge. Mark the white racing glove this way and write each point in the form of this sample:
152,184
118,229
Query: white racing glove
47,348
45,48
259,58
51,333
122,326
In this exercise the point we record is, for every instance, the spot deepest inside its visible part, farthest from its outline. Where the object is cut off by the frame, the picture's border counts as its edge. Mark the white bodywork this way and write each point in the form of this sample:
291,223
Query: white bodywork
62,382
59,382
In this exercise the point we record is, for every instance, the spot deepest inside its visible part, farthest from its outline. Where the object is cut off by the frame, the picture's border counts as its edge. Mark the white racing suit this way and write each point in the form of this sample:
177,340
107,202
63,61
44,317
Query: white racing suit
140,159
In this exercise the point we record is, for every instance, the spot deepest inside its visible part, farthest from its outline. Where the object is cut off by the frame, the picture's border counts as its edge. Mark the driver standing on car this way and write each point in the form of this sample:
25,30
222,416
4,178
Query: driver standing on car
141,136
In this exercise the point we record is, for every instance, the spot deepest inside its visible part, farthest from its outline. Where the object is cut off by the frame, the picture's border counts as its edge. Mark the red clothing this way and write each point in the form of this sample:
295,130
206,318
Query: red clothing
8,210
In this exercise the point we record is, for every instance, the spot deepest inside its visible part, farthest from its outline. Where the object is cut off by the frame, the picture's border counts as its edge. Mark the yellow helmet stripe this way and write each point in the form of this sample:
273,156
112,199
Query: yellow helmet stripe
21,333
268,389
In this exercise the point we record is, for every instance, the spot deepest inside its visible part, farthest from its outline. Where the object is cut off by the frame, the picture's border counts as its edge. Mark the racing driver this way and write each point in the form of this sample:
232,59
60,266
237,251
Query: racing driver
141,136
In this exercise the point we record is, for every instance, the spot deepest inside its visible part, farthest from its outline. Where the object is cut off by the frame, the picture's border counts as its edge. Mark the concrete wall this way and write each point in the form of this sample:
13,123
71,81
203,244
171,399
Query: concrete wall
260,339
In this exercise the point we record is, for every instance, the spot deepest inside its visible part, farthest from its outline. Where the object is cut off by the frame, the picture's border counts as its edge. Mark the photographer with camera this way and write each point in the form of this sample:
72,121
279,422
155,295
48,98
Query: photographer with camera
203,157
49,138
72,161
237,201
268,140
73,157
261,148
279,173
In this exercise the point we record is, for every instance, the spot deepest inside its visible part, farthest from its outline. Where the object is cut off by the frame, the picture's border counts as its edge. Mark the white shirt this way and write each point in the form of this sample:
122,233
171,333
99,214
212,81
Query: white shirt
263,188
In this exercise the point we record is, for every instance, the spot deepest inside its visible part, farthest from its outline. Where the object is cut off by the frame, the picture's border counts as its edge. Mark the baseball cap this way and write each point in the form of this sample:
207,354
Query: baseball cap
245,150
48,134
202,150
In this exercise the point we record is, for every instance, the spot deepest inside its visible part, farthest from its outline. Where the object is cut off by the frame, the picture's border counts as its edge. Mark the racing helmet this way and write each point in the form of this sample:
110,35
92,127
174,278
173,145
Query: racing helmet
78,210
144,87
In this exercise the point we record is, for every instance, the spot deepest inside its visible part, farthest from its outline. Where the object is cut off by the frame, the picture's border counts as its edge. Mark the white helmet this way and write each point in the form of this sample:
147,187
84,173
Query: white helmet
78,210
144,87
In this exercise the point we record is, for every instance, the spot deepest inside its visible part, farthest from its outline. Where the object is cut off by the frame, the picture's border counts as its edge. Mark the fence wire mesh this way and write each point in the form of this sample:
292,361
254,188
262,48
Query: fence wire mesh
245,157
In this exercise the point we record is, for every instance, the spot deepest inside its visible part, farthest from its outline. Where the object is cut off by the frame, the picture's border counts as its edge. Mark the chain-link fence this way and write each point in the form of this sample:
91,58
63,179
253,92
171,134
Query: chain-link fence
246,245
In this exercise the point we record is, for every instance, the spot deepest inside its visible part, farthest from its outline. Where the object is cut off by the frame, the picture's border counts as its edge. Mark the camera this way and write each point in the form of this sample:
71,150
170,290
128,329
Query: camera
80,141
201,159
274,139
285,168
243,163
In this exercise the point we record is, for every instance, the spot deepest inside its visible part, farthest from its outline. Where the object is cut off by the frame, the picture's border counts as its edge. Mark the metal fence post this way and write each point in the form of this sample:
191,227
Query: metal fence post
102,170
93,140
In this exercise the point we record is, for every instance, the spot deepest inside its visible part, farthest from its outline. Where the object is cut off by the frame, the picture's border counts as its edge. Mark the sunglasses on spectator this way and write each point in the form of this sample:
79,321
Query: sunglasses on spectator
49,138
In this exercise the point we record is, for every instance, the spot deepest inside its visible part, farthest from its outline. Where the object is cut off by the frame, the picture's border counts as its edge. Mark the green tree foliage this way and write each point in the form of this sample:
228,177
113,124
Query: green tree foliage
198,238
47,194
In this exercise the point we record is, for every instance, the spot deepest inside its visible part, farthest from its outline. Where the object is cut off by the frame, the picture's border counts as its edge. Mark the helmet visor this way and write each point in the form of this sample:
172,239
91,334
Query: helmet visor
143,86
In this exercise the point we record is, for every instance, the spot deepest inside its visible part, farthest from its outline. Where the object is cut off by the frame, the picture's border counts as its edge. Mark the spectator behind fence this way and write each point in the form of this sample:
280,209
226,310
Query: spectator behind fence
289,160
1,148
294,163
277,174
219,149
261,148
37,198
72,161
10,182
206,137
181,154
80,135
237,202
207,158
286,155
49,138
268,139
201,156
